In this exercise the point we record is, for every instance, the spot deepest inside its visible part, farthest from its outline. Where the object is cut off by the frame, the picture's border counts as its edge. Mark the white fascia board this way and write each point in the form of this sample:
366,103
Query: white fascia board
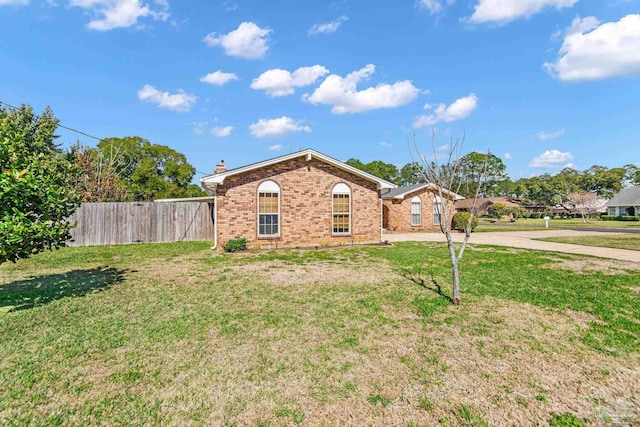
450,193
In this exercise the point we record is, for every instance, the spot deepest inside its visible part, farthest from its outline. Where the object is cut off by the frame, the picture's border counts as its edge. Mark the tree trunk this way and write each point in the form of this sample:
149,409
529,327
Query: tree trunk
454,270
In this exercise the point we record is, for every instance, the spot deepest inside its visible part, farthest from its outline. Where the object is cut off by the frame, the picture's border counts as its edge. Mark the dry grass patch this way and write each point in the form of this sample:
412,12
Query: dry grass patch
588,265
515,363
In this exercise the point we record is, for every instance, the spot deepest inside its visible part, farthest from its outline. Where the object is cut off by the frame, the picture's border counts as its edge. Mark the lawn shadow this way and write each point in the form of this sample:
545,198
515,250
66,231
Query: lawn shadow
431,283
40,290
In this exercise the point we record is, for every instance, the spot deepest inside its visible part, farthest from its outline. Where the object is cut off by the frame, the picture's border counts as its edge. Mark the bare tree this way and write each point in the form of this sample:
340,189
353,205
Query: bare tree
99,180
586,204
445,176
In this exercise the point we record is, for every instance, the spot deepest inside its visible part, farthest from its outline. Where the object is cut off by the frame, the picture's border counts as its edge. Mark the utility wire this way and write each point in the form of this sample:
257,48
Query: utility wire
59,125
13,107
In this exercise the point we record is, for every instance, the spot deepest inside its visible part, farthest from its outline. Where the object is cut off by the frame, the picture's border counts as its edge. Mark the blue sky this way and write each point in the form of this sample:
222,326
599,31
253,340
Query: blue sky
541,83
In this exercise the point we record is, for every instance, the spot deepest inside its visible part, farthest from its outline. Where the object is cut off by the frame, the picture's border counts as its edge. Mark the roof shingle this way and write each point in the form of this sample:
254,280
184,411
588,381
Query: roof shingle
629,196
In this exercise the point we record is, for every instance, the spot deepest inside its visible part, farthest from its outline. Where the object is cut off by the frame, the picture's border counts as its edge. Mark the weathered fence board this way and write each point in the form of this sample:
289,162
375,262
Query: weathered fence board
123,223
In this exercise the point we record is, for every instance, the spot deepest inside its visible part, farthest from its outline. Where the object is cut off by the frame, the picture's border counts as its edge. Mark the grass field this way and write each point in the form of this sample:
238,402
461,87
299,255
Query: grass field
528,224
622,241
171,334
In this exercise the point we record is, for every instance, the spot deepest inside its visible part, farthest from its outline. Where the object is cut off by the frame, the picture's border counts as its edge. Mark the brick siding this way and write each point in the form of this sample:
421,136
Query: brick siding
397,213
305,205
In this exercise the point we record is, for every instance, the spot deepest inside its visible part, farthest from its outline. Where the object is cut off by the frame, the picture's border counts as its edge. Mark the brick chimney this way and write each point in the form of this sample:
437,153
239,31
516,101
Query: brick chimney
220,167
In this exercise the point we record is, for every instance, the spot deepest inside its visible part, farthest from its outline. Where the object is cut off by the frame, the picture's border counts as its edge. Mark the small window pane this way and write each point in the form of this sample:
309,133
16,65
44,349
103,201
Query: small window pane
268,225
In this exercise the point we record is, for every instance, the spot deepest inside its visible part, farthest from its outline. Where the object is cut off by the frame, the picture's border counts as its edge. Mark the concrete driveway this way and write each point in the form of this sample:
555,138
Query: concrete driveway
524,239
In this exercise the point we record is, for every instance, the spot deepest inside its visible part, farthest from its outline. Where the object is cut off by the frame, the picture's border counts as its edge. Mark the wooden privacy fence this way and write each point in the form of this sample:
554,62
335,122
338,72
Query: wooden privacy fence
122,223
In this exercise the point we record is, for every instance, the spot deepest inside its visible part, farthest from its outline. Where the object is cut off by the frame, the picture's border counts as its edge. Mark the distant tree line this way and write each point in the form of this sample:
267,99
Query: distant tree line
546,189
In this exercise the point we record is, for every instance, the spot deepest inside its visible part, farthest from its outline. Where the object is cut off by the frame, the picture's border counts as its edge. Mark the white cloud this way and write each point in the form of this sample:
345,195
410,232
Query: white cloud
504,11
218,78
592,52
248,41
277,128
328,27
110,14
508,156
546,136
386,144
198,127
221,132
582,25
279,82
435,6
180,101
460,109
342,94
549,159
571,166
276,147
14,2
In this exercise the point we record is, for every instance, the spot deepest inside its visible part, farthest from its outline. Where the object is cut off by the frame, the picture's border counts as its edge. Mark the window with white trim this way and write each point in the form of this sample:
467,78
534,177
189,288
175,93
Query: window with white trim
416,211
437,210
268,209
341,209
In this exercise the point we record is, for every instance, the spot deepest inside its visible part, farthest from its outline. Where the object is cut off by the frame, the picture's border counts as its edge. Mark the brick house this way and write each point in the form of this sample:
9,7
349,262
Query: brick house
299,199
416,208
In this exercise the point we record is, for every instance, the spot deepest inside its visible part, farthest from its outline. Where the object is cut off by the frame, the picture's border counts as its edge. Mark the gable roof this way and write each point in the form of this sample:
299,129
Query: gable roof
402,192
309,153
629,196
483,202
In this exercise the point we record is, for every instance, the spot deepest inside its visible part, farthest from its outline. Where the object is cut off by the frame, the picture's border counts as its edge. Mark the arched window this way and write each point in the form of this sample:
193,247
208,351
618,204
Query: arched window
437,210
416,211
268,209
341,209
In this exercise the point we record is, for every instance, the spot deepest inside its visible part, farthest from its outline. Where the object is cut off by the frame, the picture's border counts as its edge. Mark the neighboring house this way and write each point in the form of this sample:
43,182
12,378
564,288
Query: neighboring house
533,207
416,208
483,204
625,203
300,199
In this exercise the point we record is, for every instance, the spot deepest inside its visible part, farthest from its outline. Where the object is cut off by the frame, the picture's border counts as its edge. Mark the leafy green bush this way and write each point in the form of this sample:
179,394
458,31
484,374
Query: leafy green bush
461,219
565,420
235,245
35,196
619,218
498,210
535,215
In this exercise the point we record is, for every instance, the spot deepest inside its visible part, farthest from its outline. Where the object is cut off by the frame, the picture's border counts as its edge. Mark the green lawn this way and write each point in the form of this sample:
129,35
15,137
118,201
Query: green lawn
528,224
171,334
622,241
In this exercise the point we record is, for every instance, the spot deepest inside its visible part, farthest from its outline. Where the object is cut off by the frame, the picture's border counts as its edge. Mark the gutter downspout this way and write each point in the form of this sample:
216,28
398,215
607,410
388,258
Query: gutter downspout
381,221
215,220
213,191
